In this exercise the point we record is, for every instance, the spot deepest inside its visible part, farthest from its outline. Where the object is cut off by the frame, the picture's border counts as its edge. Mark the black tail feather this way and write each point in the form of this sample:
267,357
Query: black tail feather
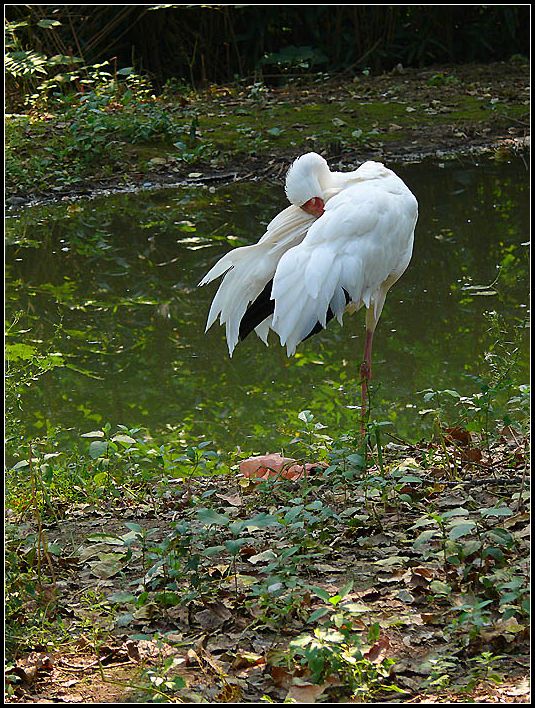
257,311
264,306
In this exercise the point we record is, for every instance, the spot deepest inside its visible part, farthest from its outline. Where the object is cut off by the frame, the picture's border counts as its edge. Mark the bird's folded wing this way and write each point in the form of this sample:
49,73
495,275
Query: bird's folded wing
352,249
248,270
287,229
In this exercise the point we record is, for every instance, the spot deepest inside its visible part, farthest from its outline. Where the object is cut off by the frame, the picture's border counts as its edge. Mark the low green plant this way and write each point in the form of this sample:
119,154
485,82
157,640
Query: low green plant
466,543
335,649
335,606
33,617
484,668
278,598
25,66
441,672
471,617
500,400
345,464
509,586
193,154
309,440
161,679
107,463
161,683
129,456
95,113
441,79
196,460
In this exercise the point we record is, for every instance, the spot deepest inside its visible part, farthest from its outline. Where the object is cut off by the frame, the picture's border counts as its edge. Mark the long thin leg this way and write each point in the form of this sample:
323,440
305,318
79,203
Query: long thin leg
365,376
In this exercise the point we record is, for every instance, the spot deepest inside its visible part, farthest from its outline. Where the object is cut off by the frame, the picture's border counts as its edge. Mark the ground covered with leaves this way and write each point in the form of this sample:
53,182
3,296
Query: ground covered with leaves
389,572
120,135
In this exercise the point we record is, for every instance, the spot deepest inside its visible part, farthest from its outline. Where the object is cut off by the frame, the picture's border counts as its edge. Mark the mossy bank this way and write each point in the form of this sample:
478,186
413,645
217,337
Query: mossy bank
115,136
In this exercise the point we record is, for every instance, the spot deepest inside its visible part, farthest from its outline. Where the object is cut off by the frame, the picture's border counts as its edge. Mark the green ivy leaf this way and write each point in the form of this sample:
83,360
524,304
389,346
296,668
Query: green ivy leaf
425,537
462,529
124,439
321,593
439,587
496,511
261,521
210,517
98,448
317,614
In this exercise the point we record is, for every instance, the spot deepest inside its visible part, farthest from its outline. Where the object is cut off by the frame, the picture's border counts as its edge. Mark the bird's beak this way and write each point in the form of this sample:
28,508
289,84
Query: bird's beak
314,206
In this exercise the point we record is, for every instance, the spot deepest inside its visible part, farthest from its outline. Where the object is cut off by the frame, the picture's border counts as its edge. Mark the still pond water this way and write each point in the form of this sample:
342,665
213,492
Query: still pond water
111,284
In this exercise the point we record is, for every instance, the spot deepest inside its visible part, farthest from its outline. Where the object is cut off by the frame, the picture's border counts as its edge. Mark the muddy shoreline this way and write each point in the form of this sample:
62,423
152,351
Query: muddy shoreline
271,167
438,113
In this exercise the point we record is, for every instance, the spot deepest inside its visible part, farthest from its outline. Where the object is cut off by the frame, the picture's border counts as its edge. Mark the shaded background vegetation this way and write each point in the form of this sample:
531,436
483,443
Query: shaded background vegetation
215,43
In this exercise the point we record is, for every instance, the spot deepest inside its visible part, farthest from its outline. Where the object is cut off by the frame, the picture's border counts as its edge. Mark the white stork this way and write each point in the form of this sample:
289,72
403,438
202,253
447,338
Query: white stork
344,241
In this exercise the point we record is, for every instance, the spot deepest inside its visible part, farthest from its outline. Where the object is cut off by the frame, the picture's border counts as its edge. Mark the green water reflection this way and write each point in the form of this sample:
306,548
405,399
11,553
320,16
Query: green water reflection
111,283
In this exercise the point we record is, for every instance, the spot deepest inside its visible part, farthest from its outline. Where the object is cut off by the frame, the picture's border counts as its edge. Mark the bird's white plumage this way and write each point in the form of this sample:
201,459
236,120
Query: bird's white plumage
249,268
309,176
360,246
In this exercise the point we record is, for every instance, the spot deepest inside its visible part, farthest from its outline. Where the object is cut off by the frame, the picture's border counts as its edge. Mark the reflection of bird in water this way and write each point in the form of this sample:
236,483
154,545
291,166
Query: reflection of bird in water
344,241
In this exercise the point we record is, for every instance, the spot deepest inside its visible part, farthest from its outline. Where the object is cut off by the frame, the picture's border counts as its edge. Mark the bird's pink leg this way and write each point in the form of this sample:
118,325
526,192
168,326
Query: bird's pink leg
365,376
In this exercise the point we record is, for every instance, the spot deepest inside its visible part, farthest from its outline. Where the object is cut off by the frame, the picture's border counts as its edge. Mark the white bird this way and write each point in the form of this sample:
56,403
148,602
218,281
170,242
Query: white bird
344,241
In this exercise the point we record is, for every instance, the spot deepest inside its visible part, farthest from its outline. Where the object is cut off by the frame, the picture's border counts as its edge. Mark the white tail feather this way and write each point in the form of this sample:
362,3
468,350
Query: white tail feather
248,269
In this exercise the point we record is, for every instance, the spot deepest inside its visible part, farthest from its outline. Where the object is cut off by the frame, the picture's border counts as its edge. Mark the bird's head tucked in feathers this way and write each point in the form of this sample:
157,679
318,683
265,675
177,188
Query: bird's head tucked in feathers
308,178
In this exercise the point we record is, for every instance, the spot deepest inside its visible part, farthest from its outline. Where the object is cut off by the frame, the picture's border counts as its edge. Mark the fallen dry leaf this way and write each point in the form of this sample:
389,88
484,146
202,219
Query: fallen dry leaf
303,692
264,465
213,616
245,659
378,651
472,454
282,678
232,499
457,434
